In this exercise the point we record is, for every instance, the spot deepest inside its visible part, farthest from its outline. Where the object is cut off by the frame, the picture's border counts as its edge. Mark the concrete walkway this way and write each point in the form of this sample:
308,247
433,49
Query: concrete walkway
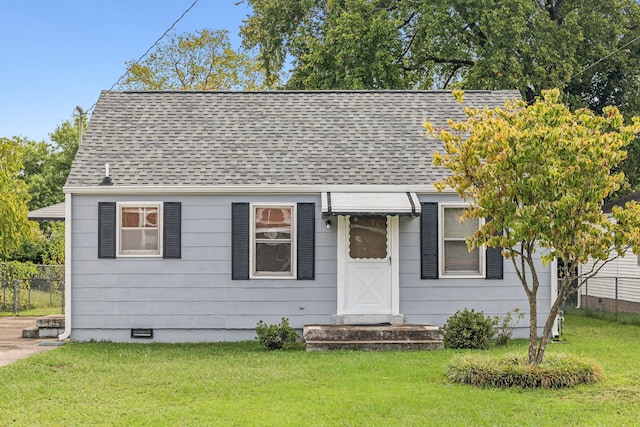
13,347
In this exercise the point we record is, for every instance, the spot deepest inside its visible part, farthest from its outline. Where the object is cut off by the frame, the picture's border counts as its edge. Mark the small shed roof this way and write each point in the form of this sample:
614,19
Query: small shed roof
608,207
267,138
49,213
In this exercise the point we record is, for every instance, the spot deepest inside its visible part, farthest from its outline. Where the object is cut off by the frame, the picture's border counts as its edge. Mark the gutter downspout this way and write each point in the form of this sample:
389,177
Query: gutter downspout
554,295
67,268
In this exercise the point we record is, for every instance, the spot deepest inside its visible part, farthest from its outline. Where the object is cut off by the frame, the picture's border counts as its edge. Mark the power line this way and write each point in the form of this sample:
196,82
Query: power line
142,56
600,60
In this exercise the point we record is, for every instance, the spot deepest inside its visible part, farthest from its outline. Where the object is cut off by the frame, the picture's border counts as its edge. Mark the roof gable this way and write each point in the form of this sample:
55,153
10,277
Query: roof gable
268,138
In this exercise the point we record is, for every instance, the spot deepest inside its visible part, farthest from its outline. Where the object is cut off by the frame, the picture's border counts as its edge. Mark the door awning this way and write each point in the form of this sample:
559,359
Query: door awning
370,204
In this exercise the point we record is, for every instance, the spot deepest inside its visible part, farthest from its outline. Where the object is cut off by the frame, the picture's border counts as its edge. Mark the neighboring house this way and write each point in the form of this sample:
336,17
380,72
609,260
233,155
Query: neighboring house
193,215
615,287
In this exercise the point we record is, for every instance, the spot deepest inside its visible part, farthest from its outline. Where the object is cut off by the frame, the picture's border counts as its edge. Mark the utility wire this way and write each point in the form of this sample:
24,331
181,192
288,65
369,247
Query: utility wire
600,60
142,56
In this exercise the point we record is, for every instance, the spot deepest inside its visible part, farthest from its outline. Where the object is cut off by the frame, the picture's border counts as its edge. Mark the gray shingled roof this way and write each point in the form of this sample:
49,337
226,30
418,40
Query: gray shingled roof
253,138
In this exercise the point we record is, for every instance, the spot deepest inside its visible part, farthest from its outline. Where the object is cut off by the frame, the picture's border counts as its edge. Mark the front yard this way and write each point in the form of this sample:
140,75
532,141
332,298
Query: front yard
241,384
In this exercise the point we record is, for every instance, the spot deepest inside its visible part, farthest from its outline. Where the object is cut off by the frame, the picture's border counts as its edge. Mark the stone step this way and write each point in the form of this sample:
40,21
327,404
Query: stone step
376,345
30,333
51,321
372,337
371,332
46,327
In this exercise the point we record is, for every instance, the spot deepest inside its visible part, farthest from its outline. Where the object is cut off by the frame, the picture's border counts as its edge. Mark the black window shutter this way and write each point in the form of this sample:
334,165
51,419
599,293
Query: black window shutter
429,240
240,241
495,262
106,230
172,230
305,242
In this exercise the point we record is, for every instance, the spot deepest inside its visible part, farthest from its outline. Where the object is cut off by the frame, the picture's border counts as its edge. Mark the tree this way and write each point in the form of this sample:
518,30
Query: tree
14,224
492,44
540,173
203,60
46,166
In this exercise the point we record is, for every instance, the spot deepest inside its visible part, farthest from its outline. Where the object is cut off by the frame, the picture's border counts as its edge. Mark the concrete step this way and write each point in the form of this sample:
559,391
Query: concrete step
377,345
46,327
332,332
30,333
51,321
372,337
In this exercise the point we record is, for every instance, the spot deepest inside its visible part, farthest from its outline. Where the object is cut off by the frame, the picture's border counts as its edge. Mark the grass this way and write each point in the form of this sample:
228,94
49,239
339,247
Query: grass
622,317
242,384
42,303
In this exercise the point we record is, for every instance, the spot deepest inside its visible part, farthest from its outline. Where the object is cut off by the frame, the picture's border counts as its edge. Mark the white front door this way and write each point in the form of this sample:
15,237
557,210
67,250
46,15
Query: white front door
367,263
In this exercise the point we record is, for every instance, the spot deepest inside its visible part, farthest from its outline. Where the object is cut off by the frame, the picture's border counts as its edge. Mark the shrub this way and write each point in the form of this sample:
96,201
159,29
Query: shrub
557,371
506,325
468,329
275,337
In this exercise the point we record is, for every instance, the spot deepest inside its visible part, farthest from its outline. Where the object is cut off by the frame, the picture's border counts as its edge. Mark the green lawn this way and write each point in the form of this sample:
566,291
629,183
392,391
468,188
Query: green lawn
240,384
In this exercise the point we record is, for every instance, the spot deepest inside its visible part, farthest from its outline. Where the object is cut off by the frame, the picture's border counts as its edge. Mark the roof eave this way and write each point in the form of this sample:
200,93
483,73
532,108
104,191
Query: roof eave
247,189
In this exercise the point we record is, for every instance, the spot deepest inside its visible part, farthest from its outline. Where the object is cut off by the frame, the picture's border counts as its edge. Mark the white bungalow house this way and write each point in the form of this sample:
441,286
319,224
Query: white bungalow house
191,216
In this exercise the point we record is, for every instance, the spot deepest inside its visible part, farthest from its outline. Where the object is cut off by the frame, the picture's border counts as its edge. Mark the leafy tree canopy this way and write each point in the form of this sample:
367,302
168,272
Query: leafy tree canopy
14,225
491,44
46,166
204,60
541,172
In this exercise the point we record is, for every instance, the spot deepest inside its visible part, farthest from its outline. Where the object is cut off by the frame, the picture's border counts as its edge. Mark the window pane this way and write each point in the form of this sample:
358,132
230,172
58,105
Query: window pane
130,240
139,241
453,227
368,237
150,240
131,217
273,257
273,219
457,258
151,217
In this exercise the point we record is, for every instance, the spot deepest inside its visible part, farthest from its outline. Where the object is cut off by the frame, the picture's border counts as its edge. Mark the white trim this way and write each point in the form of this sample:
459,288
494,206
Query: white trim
248,189
252,241
139,254
343,222
441,254
67,268
554,294
394,237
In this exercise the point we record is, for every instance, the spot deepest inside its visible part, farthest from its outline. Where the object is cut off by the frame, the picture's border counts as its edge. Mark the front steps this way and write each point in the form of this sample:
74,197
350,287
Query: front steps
46,327
372,337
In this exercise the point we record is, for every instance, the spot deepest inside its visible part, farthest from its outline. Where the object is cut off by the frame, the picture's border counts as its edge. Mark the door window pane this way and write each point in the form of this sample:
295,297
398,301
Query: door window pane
368,237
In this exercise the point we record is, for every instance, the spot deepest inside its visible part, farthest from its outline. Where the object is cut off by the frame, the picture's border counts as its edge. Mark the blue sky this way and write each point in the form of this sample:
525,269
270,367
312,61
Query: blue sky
57,55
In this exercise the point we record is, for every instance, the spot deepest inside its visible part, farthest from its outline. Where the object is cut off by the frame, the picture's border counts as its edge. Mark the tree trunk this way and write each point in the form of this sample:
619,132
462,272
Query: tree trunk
533,326
553,313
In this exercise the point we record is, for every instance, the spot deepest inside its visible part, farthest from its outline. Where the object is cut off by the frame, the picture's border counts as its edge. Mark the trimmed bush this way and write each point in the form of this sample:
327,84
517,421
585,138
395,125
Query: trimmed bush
557,371
275,337
468,329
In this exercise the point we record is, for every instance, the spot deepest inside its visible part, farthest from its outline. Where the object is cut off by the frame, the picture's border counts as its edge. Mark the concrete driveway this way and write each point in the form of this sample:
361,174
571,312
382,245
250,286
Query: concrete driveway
13,347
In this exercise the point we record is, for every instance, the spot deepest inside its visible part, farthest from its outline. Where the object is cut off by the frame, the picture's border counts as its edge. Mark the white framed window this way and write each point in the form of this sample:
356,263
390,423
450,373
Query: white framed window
455,258
139,229
272,251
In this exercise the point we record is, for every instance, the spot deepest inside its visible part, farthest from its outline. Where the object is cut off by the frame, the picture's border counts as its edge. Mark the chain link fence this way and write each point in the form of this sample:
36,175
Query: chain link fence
611,295
39,290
